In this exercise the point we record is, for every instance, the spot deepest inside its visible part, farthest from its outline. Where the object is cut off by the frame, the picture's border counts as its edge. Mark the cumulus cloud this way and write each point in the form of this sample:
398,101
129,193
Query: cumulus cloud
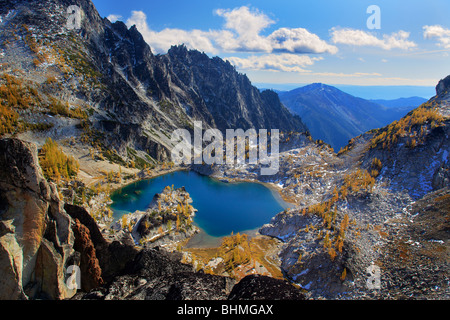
355,37
442,34
241,32
247,26
138,18
299,40
114,17
161,41
275,62
245,21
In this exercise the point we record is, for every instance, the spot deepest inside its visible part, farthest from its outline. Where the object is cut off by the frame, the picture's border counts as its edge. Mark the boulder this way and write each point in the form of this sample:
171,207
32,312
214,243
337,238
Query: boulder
258,287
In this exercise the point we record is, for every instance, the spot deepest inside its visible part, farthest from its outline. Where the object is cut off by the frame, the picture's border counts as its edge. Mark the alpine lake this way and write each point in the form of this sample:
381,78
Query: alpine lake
223,207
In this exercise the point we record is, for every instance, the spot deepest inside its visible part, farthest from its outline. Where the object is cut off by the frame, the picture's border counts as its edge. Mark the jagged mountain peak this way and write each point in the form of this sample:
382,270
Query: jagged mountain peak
179,49
114,102
135,98
193,56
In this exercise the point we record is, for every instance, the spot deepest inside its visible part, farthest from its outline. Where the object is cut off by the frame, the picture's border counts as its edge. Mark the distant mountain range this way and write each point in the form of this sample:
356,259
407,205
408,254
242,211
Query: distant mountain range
335,117
401,102
362,91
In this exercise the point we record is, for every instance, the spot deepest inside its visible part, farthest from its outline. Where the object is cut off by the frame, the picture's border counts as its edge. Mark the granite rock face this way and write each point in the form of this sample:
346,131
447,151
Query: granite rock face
42,239
36,232
112,256
443,86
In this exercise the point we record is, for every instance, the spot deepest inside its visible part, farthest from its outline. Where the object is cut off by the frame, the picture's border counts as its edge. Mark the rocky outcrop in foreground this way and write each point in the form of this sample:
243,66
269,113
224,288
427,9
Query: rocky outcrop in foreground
255,287
156,274
36,238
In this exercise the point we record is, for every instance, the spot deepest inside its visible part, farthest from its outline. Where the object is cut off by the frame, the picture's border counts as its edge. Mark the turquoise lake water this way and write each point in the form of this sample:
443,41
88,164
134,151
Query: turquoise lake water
222,207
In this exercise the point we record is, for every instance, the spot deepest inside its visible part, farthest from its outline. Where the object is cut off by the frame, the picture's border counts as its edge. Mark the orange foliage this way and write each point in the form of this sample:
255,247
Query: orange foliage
55,163
423,116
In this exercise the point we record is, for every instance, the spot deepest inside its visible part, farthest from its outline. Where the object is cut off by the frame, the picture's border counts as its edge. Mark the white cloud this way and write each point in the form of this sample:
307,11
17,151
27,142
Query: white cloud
244,21
436,31
356,37
114,17
242,32
299,40
247,25
161,41
275,62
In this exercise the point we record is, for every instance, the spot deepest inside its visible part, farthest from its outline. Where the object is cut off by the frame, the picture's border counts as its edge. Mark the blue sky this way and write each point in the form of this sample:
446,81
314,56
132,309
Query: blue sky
288,42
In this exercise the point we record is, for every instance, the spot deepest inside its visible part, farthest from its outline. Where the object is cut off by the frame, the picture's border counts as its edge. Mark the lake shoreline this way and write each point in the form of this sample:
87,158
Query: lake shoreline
276,190
116,186
203,239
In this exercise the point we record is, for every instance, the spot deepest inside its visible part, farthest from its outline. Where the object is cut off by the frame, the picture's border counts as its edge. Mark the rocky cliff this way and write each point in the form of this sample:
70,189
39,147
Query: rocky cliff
37,241
230,99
